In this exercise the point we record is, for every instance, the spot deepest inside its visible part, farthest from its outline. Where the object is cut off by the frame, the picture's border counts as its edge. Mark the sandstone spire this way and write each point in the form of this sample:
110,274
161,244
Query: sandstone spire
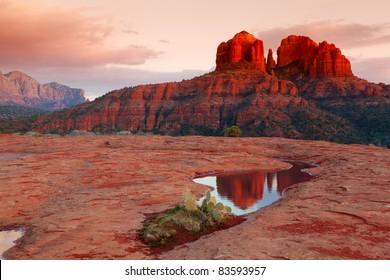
244,50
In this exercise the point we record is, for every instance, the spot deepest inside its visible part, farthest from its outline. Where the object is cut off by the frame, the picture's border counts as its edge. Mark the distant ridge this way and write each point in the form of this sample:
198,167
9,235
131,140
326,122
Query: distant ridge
18,88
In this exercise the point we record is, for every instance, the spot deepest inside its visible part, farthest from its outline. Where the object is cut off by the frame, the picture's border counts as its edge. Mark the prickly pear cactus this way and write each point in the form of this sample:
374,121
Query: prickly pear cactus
217,216
210,206
228,209
219,206
190,201
204,205
208,196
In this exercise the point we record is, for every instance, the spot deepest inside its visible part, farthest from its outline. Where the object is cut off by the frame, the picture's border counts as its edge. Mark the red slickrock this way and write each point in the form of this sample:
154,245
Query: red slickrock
79,198
245,49
300,54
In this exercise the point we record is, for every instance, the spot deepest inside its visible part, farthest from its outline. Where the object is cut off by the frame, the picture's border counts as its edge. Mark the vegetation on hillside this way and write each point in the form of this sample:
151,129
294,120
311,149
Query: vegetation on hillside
370,118
9,112
344,120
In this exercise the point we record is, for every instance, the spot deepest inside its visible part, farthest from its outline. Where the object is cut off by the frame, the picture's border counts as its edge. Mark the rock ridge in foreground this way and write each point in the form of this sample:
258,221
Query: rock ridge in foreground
94,204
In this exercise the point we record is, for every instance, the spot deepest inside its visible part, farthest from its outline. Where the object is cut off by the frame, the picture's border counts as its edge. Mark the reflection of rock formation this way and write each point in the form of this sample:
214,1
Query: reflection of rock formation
246,189
243,190
272,182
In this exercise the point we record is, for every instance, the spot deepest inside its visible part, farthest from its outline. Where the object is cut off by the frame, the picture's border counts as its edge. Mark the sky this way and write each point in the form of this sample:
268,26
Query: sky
101,45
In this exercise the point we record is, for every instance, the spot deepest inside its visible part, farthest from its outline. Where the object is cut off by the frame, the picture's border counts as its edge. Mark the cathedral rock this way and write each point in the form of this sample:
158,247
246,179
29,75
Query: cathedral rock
304,94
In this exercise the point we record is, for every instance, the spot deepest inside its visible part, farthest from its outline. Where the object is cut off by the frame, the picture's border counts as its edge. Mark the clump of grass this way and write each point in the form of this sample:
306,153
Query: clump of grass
188,216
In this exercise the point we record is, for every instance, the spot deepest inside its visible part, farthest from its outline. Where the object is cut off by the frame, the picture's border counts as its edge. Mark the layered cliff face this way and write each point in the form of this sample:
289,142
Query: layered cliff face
20,89
263,97
210,102
301,55
243,51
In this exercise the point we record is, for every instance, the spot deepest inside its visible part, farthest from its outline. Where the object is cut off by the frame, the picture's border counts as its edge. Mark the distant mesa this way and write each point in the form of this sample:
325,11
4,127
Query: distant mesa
18,88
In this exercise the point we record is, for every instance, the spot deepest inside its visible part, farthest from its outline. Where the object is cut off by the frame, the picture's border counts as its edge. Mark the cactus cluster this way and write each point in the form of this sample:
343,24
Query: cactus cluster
218,211
162,229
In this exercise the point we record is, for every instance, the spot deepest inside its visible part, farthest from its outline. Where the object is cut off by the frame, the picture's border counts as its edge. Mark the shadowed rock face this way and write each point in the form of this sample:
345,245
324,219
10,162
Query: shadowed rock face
18,88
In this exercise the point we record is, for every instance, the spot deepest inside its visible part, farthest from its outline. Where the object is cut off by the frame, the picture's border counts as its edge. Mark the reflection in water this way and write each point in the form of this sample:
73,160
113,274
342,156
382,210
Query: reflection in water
246,192
7,240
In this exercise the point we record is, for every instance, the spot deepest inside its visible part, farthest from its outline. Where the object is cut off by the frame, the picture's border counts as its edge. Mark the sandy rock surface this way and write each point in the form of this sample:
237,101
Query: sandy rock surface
86,197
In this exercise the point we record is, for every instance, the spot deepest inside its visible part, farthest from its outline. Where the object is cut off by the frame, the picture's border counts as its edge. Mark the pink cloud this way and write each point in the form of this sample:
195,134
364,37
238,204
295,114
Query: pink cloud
164,41
60,37
344,35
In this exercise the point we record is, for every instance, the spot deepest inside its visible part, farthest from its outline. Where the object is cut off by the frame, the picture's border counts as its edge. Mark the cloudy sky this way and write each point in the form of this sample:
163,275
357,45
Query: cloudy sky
101,45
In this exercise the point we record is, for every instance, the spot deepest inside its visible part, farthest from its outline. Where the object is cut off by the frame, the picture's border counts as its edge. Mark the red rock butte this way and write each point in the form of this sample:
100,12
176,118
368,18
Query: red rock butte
323,60
244,47
296,55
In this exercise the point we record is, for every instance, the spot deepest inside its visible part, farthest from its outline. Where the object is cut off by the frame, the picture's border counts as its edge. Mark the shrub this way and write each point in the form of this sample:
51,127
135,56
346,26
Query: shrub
188,216
233,131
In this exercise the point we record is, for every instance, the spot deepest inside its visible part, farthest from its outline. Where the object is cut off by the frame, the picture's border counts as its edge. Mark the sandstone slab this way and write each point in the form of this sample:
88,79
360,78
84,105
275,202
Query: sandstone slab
86,197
